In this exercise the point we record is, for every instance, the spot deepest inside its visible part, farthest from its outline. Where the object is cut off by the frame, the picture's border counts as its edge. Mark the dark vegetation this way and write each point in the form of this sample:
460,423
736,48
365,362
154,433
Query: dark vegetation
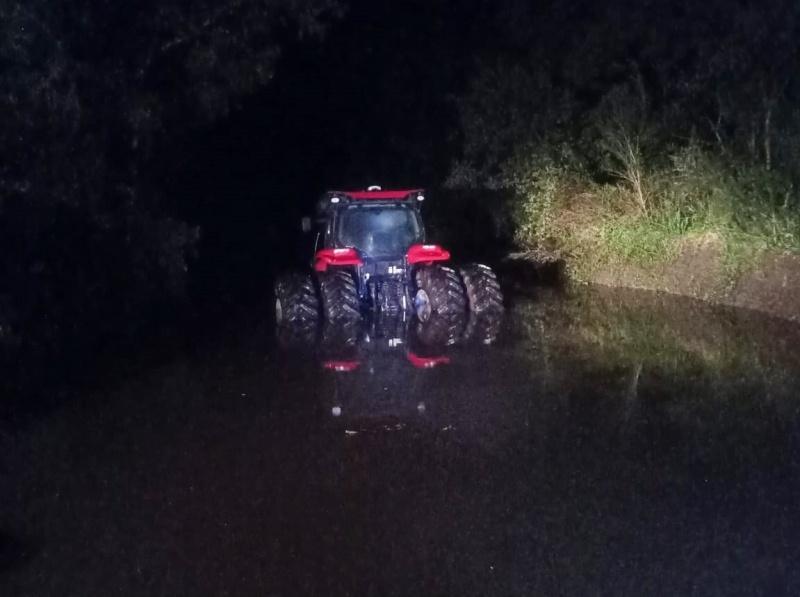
614,131
157,156
98,99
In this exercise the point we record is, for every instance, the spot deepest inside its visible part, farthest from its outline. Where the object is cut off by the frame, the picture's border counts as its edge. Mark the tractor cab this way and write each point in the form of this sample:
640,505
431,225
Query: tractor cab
377,230
378,224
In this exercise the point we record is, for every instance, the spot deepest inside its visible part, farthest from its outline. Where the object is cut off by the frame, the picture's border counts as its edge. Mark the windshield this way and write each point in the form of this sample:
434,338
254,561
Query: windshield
379,230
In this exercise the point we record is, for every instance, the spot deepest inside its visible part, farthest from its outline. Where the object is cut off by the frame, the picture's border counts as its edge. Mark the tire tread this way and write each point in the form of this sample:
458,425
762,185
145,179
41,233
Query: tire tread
339,295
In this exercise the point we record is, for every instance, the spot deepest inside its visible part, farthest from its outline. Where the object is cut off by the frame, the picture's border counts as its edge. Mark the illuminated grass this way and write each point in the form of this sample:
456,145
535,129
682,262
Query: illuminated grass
749,210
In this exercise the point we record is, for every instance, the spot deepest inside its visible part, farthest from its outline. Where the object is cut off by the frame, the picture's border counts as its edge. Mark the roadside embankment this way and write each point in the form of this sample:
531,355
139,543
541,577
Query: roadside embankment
699,267
770,284
696,227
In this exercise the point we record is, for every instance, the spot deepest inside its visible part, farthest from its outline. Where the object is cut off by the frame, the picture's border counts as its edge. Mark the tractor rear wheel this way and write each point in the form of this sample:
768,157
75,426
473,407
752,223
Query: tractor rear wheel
439,290
337,287
483,290
441,330
299,335
295,299
483,328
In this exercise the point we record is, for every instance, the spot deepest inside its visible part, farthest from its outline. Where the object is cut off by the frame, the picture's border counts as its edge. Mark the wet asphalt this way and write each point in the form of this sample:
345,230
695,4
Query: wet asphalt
598,443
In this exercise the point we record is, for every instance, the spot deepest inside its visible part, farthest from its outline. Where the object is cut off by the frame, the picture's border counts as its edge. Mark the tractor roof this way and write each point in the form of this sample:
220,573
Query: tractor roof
397,195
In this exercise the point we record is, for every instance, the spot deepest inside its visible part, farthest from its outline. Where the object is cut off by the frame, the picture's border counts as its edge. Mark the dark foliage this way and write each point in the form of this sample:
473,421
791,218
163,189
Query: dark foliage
93,94
722,74
655,120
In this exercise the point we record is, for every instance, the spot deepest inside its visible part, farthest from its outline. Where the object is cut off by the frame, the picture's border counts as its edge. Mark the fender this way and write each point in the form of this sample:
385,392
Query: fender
336,258
426,254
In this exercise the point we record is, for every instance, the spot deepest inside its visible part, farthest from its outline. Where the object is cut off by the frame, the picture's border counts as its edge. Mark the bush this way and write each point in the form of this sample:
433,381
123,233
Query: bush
617,143
565,213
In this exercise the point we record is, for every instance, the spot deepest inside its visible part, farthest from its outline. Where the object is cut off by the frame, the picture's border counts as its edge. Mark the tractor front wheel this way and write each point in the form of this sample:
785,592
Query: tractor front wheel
337,288
439,290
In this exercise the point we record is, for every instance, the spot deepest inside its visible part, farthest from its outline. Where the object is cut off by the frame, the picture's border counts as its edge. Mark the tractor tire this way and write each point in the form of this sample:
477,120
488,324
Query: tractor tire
439,290
483,328
340,304
441,330
295,299
483,290
345,335
300,336
341,340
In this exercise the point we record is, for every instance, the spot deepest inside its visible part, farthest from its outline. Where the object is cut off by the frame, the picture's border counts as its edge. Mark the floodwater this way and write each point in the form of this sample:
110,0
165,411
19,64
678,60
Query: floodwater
598,443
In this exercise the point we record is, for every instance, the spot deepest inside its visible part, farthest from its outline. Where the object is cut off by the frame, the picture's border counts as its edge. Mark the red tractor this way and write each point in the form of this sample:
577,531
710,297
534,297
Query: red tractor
371,254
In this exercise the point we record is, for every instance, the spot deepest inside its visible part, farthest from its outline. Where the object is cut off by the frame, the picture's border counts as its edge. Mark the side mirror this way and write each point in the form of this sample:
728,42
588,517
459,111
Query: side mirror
305,224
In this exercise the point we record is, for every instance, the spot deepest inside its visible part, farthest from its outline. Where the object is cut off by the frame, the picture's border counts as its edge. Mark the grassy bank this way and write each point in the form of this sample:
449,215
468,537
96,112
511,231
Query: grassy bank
643,217
620,147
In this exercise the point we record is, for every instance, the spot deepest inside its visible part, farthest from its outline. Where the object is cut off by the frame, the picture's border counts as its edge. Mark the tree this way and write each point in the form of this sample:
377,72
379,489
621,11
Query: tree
713,72
90,93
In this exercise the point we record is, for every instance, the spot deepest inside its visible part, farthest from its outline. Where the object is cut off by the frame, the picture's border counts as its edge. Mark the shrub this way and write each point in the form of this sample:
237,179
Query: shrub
656,140
563,212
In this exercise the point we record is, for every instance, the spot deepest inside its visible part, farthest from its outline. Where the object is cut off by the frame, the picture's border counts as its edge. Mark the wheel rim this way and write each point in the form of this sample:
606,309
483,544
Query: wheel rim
422,305
278,311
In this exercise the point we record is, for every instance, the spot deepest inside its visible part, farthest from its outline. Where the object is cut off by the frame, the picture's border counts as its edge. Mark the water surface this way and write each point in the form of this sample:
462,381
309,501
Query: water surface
597,443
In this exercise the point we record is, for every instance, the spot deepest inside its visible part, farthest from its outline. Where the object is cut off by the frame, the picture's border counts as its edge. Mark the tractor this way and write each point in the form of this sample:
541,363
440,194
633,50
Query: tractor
371,256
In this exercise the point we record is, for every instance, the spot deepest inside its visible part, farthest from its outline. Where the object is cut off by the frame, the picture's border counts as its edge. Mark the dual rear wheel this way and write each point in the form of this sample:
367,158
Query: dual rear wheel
338,296
482,289
299,300
295,299
438,290
443,291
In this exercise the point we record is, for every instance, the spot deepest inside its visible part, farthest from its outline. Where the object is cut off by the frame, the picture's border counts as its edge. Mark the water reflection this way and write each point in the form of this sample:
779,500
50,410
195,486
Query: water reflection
378,372
634,351
690,357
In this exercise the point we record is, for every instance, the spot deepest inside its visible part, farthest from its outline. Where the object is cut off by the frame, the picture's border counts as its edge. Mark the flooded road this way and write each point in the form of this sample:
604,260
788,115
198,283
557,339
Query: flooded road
598,443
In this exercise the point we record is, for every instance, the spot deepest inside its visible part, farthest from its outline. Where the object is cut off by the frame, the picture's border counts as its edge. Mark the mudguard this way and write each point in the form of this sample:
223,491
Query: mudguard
426,254
336,257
